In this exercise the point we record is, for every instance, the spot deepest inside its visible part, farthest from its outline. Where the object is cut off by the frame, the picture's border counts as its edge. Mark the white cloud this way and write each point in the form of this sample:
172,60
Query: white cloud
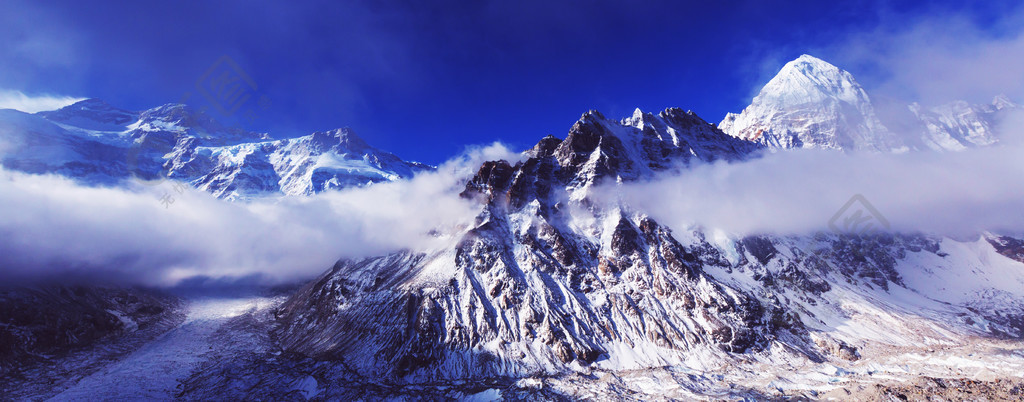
932,58
938,58
17,100
55,228
798,192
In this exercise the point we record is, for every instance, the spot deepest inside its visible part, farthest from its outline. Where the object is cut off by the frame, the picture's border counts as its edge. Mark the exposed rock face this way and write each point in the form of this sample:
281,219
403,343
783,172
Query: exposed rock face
46,322
1008,246
547,278
552,278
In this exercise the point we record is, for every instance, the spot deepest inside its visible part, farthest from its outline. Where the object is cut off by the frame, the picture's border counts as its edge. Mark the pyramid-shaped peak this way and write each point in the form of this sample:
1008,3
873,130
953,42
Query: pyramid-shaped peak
811,103
813,61
807,80
811,66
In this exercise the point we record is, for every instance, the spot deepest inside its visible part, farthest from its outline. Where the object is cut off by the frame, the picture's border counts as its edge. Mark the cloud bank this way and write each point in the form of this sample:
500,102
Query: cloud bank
54,228
938,57
31,104
798,192
934,58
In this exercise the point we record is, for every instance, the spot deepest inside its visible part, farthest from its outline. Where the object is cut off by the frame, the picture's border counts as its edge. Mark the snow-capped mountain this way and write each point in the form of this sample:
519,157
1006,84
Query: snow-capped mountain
306,165
560,290
92,114
959,125
553,280
33,144
99,144
813,104
546,279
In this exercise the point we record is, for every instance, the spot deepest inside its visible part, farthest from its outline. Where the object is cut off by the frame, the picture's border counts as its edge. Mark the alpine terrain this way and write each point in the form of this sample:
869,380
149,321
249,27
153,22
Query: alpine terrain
813,104
99,144
559,290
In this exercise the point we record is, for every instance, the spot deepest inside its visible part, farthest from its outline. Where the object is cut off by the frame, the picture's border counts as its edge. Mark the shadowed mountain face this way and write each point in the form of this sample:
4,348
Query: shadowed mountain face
41,324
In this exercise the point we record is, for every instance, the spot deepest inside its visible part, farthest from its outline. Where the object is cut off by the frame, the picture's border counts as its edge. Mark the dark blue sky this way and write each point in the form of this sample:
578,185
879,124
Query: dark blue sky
425,79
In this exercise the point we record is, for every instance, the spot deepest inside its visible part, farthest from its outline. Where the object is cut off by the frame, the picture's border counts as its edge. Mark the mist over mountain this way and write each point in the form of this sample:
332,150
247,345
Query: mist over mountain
818,243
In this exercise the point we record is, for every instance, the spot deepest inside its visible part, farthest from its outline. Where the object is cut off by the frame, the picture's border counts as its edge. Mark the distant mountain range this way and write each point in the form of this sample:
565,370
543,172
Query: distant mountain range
808,104
99,144
586,296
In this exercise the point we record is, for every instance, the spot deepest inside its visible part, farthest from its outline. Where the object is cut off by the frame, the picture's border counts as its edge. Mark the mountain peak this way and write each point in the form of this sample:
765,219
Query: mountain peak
811,103
88,104
810,65
1002,101
811,60
93,114
343,137
591,115
808,79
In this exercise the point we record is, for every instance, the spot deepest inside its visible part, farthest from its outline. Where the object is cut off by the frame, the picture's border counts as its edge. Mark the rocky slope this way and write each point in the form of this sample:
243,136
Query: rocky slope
42,324
547,278
553,281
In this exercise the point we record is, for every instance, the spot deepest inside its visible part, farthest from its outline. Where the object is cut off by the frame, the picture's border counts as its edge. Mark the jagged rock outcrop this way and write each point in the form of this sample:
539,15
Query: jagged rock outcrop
553,278
547,278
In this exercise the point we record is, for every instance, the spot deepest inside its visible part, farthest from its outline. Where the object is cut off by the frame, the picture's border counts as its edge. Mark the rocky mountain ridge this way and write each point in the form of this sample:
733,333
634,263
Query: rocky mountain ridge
96,143
551,280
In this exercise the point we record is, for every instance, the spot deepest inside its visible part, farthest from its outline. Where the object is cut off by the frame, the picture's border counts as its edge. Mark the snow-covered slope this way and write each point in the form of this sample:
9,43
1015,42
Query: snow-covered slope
92,114
297,166
559,290
553,280
548,278
813,104
99,144
959,125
